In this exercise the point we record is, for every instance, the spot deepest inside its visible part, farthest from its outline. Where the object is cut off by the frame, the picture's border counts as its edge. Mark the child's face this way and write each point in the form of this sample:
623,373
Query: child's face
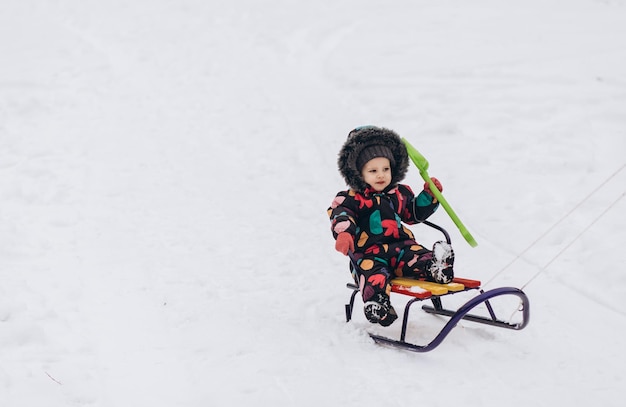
377,173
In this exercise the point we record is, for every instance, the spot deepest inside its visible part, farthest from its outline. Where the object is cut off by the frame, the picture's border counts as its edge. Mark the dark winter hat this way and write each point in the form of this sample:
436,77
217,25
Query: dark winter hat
365,143
371,152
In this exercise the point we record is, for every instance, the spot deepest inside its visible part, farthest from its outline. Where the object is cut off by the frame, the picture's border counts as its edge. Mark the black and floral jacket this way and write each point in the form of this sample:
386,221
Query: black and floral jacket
375,218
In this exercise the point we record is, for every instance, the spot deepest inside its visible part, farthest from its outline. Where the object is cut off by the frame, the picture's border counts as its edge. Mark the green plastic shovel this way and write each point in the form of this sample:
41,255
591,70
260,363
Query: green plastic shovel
422,165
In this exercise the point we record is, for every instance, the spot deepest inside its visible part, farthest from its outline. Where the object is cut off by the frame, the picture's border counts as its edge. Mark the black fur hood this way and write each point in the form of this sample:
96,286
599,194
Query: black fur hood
366,136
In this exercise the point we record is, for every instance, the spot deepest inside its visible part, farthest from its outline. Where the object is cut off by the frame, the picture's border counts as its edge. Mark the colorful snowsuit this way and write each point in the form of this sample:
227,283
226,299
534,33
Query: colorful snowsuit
384,247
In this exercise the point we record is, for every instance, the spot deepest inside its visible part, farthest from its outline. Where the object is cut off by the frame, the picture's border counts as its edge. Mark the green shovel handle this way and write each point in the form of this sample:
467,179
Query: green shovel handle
422,165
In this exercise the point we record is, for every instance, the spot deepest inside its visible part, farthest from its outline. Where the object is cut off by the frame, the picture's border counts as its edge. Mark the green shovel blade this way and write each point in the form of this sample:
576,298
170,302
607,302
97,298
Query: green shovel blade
418,159
422,165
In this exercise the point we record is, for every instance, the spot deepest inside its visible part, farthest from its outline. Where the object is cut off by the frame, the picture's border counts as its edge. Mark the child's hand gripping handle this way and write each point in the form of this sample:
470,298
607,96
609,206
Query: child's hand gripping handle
344,243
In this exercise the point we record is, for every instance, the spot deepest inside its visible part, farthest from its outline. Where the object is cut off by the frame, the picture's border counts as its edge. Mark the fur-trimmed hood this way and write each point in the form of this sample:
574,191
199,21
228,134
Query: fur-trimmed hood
367,136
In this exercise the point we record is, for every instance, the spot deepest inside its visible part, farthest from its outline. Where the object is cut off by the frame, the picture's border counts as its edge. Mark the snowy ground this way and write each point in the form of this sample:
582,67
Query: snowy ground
166,165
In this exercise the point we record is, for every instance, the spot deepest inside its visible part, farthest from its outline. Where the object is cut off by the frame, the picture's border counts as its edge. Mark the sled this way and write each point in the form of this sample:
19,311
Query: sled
424,290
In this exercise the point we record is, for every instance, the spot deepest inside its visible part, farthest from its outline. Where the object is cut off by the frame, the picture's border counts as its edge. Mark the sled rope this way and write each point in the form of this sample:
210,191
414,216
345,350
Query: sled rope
550,229
575,239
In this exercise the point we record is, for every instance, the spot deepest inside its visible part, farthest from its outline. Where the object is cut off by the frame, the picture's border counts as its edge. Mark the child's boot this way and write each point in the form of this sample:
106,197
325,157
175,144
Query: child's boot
379,310
441,269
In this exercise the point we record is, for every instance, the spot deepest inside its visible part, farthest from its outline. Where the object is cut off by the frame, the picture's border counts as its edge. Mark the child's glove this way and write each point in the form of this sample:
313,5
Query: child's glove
344,243
437,184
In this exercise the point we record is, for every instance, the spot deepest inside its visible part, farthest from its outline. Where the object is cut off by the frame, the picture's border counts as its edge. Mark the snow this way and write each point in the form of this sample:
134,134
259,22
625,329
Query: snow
165,169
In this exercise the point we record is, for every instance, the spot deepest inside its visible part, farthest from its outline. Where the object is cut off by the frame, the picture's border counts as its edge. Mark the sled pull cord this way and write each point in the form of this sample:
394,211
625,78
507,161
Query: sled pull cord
544,234
422,165
619,198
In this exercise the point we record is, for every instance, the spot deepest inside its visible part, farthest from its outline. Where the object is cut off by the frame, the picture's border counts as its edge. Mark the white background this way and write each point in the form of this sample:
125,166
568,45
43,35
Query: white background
165,169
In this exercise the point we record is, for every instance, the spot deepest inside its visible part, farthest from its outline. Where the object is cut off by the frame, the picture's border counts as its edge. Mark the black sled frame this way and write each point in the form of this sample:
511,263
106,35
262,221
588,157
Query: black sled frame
462,313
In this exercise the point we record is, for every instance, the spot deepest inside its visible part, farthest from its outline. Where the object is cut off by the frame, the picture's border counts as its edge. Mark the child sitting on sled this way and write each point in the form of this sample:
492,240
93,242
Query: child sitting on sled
366,220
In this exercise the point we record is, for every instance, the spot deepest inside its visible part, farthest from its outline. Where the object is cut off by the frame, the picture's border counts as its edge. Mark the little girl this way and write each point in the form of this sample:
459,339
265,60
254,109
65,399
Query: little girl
367,220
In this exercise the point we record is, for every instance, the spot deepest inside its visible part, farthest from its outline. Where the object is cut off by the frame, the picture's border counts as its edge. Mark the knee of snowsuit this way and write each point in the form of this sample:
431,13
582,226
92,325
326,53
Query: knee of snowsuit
378,266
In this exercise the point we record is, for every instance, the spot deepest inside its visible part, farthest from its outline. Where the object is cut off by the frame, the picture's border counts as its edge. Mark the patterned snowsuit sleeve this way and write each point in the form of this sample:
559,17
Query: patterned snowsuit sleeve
343,213
420,207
